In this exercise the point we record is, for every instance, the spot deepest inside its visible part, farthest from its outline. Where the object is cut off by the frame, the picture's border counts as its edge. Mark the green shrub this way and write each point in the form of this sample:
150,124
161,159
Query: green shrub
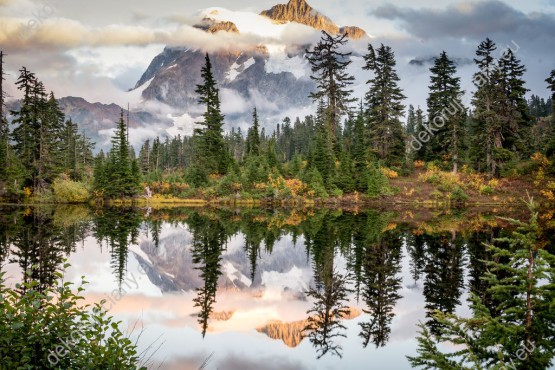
336,192
68,191
458,195
486,190
436,194
315,182
48,328
44,196
196,176
377,183
228,184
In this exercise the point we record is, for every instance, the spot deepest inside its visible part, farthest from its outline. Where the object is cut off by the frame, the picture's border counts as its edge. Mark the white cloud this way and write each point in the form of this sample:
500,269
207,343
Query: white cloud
233,102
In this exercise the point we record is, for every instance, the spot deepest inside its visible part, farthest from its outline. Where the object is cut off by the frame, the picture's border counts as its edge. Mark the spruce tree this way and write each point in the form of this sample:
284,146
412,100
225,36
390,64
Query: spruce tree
551,86
487,130
99,173
446,113
4,128
384,106
121,176
517,121
26,127
359,154
253,137
329,70
211,151
550,145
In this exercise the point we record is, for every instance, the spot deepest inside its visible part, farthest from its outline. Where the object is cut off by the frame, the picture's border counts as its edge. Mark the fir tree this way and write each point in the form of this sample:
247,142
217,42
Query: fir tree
324,323
381,265
517,122
253,136
208,244
4,129
51,151
322,156
70,148
122,177
212,153
99,174
411,121
416,142
384,105
445,112
359,154
551,86
329,68
487,135
550,145
25,132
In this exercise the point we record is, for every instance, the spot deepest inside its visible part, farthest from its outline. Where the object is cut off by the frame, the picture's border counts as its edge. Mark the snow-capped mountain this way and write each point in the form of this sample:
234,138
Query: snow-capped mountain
258,61
284,271
268,71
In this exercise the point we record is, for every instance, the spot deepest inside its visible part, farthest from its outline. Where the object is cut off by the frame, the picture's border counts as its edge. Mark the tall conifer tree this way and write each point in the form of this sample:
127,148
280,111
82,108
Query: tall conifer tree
253,136
329,68
384,105
445,112
212,152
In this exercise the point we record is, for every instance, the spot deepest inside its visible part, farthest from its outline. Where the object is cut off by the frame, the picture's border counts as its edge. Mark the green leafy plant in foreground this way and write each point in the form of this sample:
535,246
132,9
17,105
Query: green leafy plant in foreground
52,329
515,328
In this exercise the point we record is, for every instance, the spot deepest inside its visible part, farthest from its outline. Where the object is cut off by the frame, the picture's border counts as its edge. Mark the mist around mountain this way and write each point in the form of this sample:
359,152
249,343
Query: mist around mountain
266,68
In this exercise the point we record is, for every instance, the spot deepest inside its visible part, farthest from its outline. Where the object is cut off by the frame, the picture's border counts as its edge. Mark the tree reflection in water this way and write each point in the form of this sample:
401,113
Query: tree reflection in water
356,261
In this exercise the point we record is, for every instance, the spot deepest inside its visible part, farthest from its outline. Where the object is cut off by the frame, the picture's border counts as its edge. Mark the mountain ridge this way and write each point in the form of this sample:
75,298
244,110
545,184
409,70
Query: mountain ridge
300,11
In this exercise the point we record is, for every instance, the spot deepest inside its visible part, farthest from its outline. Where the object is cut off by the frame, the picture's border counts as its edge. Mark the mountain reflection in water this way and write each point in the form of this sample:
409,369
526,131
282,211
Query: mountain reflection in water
263,289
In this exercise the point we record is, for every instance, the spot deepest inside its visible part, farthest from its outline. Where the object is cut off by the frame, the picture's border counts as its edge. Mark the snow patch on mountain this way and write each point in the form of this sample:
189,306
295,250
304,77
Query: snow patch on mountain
233,274
279,62
246,22
296,280
236,69
183,125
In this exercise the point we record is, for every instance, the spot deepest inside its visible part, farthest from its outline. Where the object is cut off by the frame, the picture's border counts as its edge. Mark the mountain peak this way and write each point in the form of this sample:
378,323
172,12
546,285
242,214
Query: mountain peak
298,4
300,11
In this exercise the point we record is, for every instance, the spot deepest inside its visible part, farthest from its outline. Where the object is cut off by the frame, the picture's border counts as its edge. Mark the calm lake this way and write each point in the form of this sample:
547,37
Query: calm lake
237,288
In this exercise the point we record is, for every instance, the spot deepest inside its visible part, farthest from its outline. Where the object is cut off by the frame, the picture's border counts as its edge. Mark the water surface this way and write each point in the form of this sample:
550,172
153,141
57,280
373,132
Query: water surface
249,288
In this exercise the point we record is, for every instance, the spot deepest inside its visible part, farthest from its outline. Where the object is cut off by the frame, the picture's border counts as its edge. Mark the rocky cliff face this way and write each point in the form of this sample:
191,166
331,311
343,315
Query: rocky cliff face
210,25
301,12
173,75
353,32
291,333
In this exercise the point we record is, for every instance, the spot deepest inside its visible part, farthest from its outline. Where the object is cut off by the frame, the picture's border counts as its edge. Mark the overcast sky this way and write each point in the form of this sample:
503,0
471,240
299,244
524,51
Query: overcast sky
98,49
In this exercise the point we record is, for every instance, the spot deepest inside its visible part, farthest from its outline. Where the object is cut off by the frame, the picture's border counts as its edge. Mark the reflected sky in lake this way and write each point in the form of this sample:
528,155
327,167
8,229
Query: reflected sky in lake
230,287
